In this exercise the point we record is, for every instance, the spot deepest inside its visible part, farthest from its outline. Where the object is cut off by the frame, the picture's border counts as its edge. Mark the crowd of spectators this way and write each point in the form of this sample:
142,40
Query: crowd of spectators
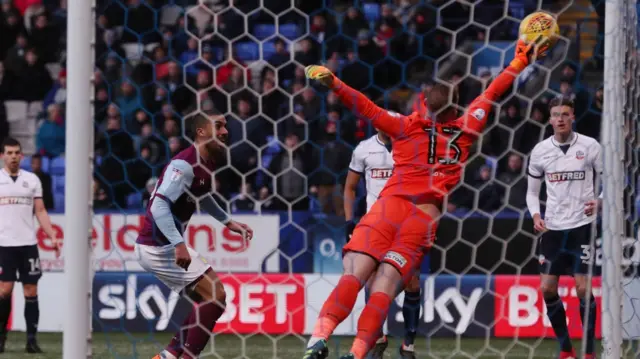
286,138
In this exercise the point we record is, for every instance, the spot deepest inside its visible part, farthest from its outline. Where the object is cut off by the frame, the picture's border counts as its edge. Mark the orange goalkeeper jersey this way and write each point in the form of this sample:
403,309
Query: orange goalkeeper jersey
428,155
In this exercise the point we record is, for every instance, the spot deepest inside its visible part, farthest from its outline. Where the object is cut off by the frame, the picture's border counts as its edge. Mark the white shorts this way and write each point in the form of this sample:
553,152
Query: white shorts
161,261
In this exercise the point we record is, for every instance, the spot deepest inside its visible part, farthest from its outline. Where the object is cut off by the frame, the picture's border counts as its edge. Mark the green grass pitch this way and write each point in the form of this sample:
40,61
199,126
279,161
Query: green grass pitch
146,345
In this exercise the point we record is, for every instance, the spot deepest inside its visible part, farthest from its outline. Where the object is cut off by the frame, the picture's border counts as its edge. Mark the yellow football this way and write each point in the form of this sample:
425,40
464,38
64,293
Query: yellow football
542,24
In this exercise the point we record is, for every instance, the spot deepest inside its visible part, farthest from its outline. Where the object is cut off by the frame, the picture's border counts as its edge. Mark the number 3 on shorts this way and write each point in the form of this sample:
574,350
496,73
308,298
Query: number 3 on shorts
586,253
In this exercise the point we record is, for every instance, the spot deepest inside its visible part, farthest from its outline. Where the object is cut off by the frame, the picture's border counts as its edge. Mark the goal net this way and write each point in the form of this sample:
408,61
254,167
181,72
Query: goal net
159,61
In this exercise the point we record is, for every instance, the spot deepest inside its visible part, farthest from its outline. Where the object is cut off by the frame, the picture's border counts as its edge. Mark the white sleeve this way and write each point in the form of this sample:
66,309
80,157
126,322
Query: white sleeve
596,162
357,160
177,177
596,158
37,191
533,194
535,168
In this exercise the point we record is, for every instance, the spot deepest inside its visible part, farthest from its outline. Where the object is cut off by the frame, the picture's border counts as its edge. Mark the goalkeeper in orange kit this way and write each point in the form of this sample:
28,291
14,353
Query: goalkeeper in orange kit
429,151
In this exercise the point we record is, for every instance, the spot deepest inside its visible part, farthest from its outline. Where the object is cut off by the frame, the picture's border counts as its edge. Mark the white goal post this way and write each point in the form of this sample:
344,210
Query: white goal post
620,47
620,33
79,175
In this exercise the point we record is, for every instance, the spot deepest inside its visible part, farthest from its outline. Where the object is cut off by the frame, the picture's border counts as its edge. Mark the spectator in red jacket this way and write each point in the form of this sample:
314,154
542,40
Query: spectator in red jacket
23,5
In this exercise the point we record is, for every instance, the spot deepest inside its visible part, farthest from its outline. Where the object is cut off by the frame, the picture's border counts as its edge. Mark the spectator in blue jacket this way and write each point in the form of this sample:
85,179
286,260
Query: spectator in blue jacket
128,102
50,139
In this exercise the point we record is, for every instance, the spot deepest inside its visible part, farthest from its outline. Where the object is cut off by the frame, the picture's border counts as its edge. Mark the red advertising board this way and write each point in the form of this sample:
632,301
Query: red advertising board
520,310
273,303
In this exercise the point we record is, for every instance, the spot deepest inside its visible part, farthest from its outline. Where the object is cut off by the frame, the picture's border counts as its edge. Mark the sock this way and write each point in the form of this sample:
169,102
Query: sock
381,337
175,347
206,314
591,325
5,311
168,355
31,316
336,308
370,322
558,318
411,315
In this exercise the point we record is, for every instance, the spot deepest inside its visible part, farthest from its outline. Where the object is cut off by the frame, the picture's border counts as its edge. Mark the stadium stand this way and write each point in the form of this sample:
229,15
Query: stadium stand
166,58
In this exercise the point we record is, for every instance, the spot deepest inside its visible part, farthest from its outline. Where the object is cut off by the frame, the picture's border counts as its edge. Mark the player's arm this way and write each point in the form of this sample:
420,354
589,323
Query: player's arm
535,174
356,169
389,122
40,211
209,204
595,153
349,201
353,178
476,116
177,177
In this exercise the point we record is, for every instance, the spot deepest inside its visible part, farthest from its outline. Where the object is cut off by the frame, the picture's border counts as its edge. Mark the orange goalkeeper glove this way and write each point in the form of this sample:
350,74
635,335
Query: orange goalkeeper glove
528,53
320,74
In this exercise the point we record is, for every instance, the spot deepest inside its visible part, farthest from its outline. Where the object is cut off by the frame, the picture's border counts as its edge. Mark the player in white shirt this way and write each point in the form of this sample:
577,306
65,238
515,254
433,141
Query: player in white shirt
567,162
20,199
373,159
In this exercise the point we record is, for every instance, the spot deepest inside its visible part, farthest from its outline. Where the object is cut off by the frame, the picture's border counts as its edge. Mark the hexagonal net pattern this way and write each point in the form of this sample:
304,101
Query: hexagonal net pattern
284,169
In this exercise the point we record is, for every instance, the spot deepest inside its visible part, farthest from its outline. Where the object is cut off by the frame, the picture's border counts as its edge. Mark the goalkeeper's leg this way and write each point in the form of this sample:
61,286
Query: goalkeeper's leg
397,269
411,316
377,352
358,267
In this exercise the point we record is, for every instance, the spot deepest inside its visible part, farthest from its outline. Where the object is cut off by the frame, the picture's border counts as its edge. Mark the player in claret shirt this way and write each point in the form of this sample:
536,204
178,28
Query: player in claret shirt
185,185
568,162
391,239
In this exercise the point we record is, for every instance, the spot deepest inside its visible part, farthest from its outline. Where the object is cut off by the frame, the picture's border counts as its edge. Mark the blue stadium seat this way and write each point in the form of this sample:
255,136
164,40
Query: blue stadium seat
134,200
57,166
25,164
262,31
268,49
289,31
218,54
314,205
46,163
58,184
58,202
247,51
371,11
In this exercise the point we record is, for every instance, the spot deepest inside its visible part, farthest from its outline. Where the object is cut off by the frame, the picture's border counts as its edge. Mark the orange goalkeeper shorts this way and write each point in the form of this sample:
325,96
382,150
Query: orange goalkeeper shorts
394,231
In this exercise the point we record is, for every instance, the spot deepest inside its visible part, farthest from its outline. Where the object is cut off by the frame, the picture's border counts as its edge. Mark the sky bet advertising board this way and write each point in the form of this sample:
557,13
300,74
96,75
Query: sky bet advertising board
471,306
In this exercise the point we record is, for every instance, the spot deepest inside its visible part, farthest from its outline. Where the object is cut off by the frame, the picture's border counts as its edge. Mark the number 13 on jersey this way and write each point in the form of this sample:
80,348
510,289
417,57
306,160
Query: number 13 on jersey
443,140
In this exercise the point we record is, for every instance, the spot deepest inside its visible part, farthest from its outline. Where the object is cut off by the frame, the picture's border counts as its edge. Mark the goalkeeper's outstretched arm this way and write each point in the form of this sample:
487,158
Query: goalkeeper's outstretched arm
391,123
477,114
